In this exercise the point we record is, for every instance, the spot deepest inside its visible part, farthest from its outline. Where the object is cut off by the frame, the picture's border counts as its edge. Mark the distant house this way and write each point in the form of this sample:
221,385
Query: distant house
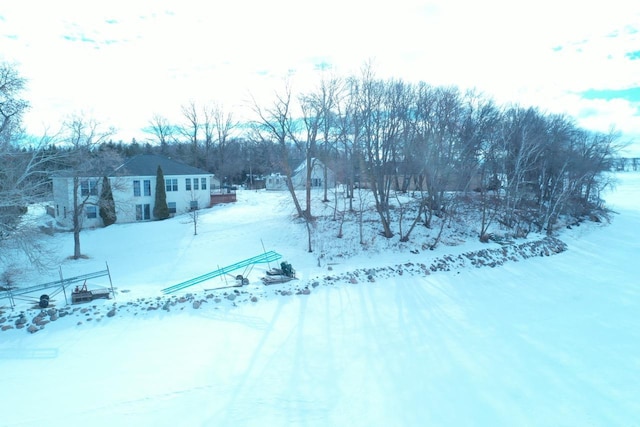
134,186
276,181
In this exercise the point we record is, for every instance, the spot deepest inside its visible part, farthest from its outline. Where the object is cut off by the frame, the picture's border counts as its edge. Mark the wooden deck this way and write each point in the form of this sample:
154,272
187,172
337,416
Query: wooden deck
217,198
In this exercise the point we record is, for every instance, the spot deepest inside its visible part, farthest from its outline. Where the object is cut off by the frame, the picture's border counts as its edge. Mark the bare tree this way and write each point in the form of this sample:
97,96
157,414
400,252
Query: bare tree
477,158
193,213
571,174
522,135
224,125
349,135
489,187
191,130
327,97
316,107
84,135
162,130
24,181
277,124
363,202
311,117
595,155
12,106
24,173
380,128
208,129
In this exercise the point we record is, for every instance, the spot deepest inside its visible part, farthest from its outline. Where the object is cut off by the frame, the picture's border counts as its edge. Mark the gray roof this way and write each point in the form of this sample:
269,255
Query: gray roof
147,165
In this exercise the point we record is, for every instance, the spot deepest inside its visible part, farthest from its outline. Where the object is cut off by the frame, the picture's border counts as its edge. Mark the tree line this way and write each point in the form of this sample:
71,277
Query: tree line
517,166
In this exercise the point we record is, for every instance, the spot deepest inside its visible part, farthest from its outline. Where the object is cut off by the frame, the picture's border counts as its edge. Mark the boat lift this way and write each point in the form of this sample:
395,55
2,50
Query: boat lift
61,285
247,264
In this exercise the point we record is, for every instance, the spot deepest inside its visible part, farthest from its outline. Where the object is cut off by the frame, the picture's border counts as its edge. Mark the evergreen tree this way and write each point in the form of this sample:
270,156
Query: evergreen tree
160,209
107,204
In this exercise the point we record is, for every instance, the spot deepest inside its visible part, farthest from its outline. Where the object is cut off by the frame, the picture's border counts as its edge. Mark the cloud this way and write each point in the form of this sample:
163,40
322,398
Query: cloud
631,94
127,60
633,55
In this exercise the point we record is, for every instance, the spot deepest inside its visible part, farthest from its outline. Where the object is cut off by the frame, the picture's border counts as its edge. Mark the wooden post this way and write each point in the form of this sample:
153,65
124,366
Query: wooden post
13,305
265,251
62,284
110,282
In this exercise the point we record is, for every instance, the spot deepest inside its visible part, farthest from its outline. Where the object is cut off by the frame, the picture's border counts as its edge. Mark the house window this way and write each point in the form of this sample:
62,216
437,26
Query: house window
193,205
187,183
143,212
171,184
172,207
89,187
195,183
147,187
203,183
91,211
136,188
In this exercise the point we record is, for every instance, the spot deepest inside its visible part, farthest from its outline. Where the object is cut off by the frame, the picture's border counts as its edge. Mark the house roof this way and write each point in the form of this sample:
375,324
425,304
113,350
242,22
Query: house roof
147,165
314,163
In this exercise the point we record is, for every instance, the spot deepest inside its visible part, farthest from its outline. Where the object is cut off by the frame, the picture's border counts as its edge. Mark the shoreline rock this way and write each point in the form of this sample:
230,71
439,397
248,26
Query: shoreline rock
490,257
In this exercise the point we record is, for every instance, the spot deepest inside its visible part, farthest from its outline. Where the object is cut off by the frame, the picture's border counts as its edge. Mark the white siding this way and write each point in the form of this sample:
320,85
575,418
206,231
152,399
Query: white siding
278,182
126,200
63,203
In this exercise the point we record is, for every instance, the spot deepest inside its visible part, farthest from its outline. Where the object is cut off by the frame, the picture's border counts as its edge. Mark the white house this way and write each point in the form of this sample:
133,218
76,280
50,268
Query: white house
133,185
276,181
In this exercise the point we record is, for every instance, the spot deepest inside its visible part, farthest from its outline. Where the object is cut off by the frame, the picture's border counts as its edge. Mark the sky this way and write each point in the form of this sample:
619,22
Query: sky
124,61
543,341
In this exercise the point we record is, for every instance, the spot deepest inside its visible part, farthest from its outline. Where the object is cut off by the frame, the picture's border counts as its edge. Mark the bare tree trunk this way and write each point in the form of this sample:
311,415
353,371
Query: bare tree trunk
341,215
276,124
416,219
325,183
77,219
224,125
294,197
84,135
310,165
361,209
192,130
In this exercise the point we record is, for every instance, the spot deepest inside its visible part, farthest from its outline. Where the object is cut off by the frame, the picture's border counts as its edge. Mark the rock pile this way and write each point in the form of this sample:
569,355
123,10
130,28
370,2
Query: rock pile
482,258
34,320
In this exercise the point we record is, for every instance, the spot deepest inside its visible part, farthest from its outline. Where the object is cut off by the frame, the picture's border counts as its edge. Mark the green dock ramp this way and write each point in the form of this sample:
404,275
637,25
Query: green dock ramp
259,259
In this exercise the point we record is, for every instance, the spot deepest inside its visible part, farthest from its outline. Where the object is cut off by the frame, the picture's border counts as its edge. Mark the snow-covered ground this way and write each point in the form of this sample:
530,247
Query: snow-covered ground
543,341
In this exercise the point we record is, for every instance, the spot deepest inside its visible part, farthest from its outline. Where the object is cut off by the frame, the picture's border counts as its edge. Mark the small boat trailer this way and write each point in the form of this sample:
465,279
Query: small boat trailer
82,294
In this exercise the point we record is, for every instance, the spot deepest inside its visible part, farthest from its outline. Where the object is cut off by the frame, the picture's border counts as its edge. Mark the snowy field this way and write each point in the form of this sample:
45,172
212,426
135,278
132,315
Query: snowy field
551,341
